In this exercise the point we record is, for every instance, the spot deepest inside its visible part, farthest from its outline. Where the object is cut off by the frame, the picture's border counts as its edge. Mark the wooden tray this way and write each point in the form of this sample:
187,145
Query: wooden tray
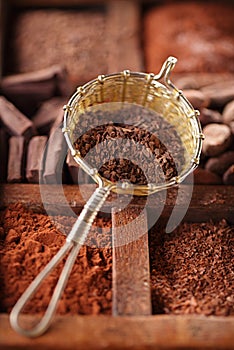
129,332
208,203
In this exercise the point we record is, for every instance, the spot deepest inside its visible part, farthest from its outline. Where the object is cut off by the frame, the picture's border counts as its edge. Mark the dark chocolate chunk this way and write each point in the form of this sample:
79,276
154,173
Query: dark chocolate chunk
77,174
196,98
206,177
16,122
28,90
3,154
220,164
16,159
219,93
218,138
55,155
228,176
47,114
208,116
36,149
228,113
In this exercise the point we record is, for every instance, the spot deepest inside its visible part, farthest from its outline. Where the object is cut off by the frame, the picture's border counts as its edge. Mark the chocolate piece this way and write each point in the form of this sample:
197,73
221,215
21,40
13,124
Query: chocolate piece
3,154
206,177
16,161
208,116
36,149
78,175
220,93
58,122
56,151
196,98
220,164
218,138
228,176
228,113
70,37
231,125
16,123
28,90
73,167
47,114
199,80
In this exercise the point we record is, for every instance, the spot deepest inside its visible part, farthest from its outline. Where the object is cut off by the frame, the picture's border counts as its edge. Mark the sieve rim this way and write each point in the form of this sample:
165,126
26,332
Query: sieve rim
175,95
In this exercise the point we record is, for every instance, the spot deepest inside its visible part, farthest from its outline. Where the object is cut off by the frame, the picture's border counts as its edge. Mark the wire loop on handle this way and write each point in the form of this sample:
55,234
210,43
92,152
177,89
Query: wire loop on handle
74,241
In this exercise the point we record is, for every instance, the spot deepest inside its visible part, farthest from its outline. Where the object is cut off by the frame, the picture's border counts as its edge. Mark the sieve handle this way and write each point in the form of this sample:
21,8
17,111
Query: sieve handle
74,241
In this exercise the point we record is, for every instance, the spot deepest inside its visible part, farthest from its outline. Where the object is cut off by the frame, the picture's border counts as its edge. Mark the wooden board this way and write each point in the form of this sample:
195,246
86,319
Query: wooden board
122,35
130,269
123,23
126,333
207,203
138,332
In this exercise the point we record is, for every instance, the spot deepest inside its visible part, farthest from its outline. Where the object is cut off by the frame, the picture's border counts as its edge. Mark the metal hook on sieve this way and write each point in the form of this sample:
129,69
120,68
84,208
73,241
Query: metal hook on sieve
165,71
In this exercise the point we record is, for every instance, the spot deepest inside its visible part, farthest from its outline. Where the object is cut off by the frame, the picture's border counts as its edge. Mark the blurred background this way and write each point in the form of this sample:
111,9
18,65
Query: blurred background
96,37
48,48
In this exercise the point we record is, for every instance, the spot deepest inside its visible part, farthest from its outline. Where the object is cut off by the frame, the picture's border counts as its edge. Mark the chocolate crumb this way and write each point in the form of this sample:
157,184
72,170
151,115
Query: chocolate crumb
192,270
134,144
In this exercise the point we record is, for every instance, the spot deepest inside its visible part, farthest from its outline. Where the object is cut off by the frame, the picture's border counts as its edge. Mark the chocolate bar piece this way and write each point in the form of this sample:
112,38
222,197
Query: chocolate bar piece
16,159
3,154
196,98
47,114
35,155
55,156
228,177
208,116
228,113
78,175
220,164
16,122
206,177
220,93
218,138
28,90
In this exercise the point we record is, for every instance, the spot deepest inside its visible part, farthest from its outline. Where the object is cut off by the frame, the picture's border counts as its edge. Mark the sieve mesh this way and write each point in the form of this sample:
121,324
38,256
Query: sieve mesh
144,90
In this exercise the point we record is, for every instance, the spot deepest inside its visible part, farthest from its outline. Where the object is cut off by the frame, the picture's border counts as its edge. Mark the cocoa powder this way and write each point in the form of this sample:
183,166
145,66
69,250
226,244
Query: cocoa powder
191,268
29,240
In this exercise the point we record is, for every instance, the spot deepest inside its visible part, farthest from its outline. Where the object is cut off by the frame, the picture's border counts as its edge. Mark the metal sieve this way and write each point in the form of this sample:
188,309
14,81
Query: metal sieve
157,93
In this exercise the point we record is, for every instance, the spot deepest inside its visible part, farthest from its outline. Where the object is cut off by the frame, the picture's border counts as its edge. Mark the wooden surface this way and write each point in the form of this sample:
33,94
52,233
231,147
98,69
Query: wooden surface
138,332
25,3
126,333
123,23
207,203
123,18
130,270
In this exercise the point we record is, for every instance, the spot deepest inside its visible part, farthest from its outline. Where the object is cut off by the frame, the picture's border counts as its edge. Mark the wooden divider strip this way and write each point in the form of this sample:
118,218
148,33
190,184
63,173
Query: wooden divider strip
130,271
